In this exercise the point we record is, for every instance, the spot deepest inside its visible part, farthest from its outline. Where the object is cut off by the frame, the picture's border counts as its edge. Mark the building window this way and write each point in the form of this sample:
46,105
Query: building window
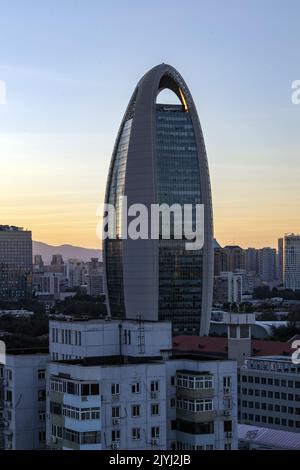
194,382
173,425
9,395
91,437
42,436
41,374
136,434
115,389
41,395
154,386
9,374
227,446
195,405
57,431
136,387
172,380
42,416
155,409
227,426
136,410
90,413
155,432
55,408
115,435
115,412
89,389
227,382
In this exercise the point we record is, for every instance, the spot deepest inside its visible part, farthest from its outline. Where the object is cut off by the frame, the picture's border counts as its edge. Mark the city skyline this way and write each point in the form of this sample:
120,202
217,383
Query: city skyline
65,100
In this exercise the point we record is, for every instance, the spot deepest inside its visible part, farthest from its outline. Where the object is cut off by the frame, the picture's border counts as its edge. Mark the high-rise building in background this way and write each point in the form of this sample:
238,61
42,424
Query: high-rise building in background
291,261
57,260
267,259
38,261
251,261
159,157
94,278
234,258
280,261
15,262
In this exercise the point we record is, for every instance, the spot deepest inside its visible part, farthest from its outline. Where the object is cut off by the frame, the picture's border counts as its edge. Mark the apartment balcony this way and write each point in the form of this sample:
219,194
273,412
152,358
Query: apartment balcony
196,416
194,394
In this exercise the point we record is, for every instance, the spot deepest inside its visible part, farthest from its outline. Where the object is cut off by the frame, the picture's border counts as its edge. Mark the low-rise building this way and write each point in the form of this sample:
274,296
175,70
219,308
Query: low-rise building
258,438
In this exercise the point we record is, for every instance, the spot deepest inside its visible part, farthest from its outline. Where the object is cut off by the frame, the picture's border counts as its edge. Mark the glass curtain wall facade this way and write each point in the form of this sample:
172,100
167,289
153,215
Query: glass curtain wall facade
178,180
114,266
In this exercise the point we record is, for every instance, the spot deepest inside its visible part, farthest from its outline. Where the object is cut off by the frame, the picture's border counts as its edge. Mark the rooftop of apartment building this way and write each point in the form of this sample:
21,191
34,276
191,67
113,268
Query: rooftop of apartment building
104,320
119,360
218,345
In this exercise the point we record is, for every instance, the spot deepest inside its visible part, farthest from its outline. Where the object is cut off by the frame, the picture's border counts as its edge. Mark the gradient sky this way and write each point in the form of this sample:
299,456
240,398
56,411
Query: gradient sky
70,67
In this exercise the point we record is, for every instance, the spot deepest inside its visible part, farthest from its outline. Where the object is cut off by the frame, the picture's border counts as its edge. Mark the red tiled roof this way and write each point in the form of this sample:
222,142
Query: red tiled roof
210,344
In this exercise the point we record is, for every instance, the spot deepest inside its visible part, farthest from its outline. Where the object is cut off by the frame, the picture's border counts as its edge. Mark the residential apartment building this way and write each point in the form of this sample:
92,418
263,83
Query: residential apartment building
267,258
23,400
133,393
291,261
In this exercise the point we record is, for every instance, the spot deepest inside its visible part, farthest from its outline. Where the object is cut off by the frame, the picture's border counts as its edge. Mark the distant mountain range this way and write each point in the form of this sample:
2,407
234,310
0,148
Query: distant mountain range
67,251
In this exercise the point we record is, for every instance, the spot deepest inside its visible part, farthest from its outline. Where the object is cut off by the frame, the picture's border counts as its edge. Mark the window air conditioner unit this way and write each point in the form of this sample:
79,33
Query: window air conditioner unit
116,421
115,445
229,434
227,412
154,442
153,395
227,390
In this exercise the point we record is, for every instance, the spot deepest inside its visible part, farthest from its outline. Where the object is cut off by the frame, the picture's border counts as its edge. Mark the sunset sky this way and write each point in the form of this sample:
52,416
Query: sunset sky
70,67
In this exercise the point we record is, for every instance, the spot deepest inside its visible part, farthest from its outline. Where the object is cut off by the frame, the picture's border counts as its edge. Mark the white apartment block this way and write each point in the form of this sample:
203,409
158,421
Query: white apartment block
23,400
75,339
120,387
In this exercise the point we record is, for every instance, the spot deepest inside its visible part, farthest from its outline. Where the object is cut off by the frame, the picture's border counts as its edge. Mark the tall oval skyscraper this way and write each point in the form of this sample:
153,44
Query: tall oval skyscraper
160,158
